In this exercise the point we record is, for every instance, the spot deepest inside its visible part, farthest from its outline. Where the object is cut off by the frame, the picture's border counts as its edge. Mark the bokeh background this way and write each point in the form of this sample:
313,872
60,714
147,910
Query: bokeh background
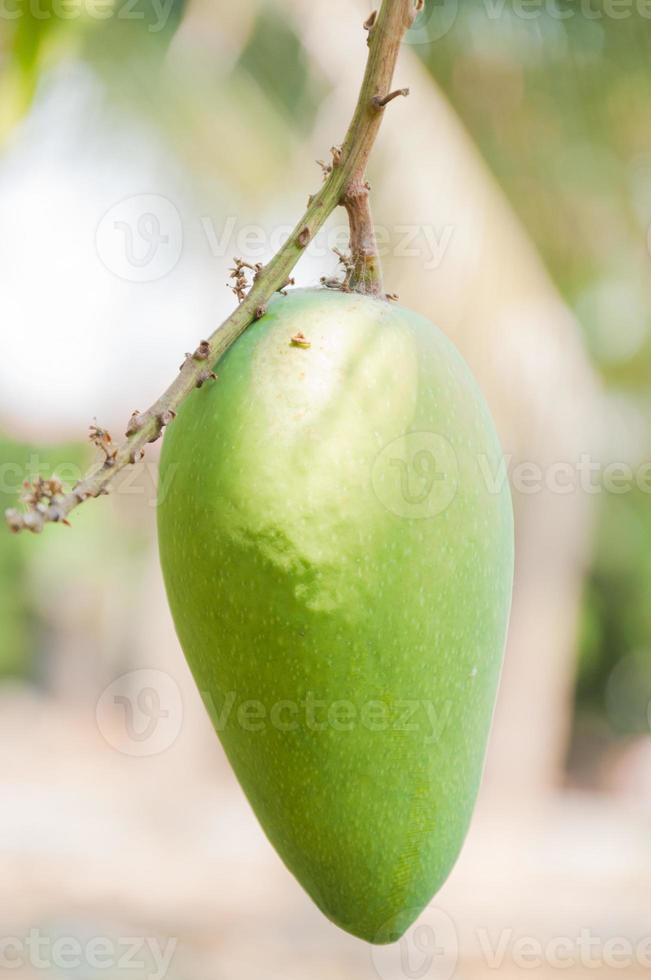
143,144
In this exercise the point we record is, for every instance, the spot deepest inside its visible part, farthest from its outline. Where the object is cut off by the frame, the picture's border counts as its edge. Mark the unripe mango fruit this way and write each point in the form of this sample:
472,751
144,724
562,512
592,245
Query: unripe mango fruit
339,566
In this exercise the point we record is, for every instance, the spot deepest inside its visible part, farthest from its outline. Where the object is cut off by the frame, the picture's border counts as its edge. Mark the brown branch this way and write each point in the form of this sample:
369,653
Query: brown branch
386,31
50,504
366,270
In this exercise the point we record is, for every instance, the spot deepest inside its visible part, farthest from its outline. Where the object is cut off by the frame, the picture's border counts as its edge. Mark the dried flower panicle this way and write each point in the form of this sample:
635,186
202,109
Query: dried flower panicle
40,493
103,440
238,273
40,498
348,264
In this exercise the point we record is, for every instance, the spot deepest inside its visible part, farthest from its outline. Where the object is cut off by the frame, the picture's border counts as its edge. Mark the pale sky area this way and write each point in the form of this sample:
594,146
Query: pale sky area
111,267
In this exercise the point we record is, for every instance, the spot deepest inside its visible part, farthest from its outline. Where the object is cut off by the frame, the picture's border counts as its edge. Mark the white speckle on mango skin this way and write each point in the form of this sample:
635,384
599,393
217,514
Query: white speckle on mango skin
299,573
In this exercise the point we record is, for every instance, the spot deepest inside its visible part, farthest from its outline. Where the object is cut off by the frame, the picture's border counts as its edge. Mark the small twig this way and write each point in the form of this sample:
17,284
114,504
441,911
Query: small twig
327,168
381,102
40,497
365,275
290,281
344,178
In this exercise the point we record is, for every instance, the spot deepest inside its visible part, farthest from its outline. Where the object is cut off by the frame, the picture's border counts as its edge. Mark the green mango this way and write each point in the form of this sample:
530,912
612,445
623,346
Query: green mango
339,567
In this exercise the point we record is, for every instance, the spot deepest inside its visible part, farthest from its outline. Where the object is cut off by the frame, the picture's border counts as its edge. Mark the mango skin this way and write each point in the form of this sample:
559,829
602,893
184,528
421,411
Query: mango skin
307,563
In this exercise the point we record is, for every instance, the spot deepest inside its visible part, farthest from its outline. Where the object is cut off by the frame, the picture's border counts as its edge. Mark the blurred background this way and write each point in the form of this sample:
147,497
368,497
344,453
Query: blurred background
143,145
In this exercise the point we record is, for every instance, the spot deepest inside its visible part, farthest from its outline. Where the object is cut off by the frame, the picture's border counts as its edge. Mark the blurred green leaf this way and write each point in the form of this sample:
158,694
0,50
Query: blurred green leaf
274,56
